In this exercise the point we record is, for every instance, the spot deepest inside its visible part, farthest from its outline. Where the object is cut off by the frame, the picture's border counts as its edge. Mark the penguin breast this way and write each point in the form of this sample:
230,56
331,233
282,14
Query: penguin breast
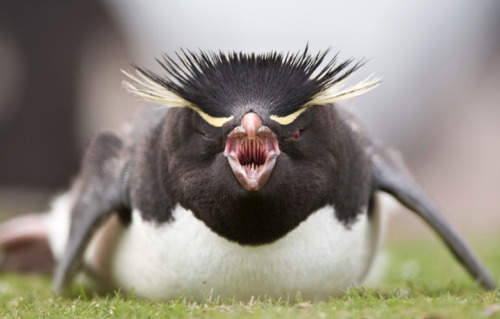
319,258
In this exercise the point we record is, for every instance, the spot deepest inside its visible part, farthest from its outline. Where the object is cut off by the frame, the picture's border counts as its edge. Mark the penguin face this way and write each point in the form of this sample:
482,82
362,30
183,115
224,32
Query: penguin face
246,155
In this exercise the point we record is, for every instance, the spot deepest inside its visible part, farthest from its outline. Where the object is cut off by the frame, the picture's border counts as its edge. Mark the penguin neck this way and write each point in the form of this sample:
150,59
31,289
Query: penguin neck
253,218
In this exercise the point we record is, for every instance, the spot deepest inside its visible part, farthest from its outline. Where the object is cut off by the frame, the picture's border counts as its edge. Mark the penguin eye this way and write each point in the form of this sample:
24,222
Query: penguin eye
297,134
206,136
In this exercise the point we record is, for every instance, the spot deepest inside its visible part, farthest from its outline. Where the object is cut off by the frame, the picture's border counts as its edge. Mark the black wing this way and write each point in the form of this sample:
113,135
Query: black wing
100,191
390,175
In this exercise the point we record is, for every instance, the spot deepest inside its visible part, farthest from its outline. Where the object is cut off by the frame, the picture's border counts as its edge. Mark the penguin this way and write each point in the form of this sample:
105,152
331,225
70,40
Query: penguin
245,177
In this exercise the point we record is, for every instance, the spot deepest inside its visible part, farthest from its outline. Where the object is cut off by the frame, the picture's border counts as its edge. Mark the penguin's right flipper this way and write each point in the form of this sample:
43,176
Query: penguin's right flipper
101,190
390,175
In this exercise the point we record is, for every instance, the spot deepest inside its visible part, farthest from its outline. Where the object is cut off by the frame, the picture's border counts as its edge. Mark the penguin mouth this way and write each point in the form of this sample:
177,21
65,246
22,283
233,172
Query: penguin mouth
252,156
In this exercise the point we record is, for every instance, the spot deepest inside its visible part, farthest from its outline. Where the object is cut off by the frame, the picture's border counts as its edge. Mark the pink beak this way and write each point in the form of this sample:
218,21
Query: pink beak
251,150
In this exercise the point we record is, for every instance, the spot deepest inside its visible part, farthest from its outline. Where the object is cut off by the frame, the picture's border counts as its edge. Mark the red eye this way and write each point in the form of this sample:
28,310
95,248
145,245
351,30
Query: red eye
207,136
297,134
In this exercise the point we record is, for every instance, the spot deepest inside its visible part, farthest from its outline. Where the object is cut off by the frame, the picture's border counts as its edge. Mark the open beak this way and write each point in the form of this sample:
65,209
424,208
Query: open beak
251,150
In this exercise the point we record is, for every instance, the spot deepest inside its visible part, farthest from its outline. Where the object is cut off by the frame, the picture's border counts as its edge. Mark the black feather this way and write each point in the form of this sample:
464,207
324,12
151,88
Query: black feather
220,83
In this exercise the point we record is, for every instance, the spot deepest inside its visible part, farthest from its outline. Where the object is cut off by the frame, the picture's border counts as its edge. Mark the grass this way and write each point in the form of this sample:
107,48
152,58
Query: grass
422,281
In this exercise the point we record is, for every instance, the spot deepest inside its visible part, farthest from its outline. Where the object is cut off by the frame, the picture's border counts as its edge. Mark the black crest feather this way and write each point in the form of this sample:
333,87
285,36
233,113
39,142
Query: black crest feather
281,83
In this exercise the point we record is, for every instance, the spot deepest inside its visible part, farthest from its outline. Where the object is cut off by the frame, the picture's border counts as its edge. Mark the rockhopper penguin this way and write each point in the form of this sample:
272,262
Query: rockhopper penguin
244,179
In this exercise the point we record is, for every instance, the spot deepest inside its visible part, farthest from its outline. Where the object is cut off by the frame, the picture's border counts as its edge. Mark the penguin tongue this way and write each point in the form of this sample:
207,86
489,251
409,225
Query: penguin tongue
252,156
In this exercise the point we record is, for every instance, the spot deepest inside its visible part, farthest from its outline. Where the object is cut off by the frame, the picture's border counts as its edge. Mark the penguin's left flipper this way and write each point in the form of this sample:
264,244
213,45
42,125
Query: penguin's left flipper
391,176
100,190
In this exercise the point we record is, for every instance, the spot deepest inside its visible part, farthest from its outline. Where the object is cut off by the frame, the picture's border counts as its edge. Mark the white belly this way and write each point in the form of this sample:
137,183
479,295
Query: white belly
320,258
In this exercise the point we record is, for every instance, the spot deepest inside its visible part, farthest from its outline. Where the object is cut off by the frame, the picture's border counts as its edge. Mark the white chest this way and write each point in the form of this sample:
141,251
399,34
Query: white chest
319,258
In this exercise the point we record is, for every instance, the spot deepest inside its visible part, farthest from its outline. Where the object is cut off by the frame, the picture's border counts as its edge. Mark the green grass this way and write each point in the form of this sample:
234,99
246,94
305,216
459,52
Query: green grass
422,281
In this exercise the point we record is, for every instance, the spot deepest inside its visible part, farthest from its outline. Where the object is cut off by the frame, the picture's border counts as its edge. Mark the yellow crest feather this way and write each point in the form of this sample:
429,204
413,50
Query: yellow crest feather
330,95
145,88
336,92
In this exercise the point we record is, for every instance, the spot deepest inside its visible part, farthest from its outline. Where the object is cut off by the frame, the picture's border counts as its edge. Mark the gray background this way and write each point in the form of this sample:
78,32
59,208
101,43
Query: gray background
439,102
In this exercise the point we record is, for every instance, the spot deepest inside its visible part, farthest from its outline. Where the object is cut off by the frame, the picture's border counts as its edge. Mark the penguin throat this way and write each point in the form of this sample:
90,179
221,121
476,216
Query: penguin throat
252,159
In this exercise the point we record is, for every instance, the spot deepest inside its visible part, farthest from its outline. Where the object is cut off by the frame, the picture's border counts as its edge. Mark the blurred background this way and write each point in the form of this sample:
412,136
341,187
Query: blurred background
439,103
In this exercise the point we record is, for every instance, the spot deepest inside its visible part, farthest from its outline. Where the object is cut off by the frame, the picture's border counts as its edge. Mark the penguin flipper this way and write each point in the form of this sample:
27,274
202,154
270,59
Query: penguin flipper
100,191
391,176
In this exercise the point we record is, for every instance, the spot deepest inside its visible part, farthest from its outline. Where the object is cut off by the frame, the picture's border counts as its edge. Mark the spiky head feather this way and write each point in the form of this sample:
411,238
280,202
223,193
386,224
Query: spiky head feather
217,85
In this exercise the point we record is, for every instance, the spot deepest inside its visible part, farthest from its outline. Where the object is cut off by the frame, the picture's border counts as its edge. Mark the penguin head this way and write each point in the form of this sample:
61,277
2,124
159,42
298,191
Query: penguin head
248,104
251,143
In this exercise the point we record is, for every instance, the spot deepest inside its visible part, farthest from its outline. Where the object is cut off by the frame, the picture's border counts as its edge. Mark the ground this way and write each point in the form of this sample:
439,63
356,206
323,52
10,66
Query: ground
422,280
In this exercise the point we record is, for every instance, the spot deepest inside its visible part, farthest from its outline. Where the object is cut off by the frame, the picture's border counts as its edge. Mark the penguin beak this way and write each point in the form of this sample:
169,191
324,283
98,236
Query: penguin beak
251,150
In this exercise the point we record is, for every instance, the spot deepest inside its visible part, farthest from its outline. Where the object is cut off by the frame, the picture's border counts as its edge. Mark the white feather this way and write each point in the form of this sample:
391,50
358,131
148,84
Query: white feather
58,221
320,258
